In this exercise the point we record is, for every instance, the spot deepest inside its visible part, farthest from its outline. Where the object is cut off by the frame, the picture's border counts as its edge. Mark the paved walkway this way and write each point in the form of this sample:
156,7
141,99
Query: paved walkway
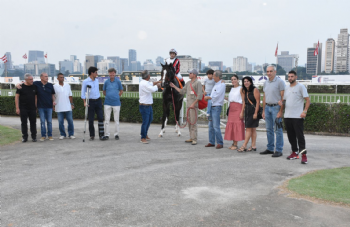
164,183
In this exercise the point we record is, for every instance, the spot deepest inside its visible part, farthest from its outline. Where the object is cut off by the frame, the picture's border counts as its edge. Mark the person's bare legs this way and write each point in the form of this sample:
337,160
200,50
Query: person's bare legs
248,133
254,135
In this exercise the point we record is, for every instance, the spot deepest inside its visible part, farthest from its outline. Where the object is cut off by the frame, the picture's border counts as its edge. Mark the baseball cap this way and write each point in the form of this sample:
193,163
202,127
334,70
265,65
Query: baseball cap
194,71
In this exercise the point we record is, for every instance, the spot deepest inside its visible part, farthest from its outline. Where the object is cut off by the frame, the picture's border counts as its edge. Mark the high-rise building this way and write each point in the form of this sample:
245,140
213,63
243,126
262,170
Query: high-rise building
124,64
258,68
286,60
188,63
240,64
9,61
116,60
36,69
313,64
66,65
342,51
132,56
104,65
73,58
36,56
135,66
77,67
329,56
148,65
159,60
91,61
250,67
218,64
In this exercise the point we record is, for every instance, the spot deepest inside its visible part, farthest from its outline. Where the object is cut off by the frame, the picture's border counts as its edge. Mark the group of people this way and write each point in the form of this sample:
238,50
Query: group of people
243,114
44,97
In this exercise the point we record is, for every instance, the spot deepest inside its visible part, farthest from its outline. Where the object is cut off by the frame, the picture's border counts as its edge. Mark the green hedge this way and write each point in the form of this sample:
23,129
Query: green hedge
129,111
321,117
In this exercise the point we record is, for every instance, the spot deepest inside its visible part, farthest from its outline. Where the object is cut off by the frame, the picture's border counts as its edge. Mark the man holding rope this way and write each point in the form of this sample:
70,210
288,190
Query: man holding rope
194,93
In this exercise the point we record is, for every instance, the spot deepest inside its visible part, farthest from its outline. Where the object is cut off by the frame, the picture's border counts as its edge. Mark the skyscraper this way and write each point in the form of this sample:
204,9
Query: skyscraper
36,56
342,51
329,55
116,60
66,65
91,60
9,61
124,65
188,63
132,56
313,64
240,64
218,64
159,60
286,60
104,65
73,58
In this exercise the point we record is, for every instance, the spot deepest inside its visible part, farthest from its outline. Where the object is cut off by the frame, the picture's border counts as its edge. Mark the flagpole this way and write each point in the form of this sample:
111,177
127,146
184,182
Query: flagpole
276,57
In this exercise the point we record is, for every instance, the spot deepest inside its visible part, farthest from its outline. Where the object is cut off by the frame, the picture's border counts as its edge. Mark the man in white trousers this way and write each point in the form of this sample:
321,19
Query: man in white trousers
112,90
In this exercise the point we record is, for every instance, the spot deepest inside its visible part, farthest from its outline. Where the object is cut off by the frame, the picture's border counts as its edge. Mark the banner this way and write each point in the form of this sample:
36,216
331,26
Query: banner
331,79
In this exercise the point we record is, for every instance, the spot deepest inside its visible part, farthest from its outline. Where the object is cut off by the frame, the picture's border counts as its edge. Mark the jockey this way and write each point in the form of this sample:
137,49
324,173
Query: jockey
176,63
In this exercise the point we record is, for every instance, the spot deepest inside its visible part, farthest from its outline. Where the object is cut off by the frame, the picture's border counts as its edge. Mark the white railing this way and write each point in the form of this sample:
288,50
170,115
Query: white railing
326,98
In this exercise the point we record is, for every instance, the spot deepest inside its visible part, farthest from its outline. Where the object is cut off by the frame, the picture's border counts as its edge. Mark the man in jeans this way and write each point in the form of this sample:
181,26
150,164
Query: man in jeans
146,89
272,112
45,103
208,87
112,90
64,107
95,103
26,101
217,97
294,116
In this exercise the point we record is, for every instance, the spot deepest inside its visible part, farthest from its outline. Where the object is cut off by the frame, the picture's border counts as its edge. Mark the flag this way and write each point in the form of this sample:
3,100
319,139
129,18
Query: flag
276,50
316,49
46,55
25,56
4,58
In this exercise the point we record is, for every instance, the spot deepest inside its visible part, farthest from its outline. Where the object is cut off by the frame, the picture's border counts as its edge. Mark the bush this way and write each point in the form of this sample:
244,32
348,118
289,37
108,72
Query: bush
321,117
129,111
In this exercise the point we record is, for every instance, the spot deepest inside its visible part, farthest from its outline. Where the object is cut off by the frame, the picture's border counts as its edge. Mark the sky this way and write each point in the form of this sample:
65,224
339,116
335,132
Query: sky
213,30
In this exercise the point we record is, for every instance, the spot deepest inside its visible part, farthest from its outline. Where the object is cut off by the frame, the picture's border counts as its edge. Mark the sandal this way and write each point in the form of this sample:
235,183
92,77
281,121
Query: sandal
233,147
242,149
251,148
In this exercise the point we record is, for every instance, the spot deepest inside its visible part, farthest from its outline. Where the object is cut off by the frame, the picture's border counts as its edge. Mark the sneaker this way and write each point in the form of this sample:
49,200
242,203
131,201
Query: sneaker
42,139
61,137
303,159
293,155
267,152
92,138
51,138
24,140
147,138
188,141
71,137
34,140
104,137
144,141
117,137
277,154
194,142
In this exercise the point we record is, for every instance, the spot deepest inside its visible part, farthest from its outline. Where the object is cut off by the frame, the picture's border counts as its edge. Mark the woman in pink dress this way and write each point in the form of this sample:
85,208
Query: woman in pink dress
235,125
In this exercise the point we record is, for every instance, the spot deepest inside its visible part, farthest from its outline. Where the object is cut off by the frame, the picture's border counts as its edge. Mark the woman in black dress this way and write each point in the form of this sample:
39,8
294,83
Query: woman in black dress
251,106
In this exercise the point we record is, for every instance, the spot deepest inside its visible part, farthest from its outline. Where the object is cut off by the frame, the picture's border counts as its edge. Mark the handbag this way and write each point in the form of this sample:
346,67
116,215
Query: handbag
228,110
260,108
202,104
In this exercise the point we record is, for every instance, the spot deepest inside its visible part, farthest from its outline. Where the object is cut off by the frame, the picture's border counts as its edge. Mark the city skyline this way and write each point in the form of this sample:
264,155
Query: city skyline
255,35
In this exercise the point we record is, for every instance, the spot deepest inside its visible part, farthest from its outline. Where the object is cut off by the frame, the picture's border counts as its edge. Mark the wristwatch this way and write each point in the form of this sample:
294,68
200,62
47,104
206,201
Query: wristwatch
304,111
72,104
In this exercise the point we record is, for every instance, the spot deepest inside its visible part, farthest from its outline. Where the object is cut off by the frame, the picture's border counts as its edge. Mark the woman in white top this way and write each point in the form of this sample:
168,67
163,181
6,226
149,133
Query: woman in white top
235,125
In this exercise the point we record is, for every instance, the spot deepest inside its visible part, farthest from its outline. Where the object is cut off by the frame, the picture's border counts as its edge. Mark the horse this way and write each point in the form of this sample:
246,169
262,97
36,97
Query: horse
170,97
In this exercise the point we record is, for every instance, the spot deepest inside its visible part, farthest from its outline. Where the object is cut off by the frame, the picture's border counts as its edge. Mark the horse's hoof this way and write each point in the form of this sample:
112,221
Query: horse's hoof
160,136
179,135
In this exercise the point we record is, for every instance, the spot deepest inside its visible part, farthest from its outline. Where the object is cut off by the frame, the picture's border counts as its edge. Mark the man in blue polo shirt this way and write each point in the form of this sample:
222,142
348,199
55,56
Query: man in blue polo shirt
95,103
112,90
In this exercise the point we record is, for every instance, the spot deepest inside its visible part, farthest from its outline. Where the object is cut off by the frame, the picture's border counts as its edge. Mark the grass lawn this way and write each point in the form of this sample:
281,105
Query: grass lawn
330,184
9,135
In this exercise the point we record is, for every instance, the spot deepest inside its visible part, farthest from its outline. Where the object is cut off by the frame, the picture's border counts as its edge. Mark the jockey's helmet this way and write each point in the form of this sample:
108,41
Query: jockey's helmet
173,51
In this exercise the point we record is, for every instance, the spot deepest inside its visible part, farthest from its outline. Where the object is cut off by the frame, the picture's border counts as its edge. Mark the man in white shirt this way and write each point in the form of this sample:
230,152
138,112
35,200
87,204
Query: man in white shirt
64,106
217,97
146,88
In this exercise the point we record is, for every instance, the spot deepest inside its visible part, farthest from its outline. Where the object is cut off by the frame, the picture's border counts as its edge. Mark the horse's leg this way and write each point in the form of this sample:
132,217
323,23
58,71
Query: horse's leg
178,106
163,120
167,112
